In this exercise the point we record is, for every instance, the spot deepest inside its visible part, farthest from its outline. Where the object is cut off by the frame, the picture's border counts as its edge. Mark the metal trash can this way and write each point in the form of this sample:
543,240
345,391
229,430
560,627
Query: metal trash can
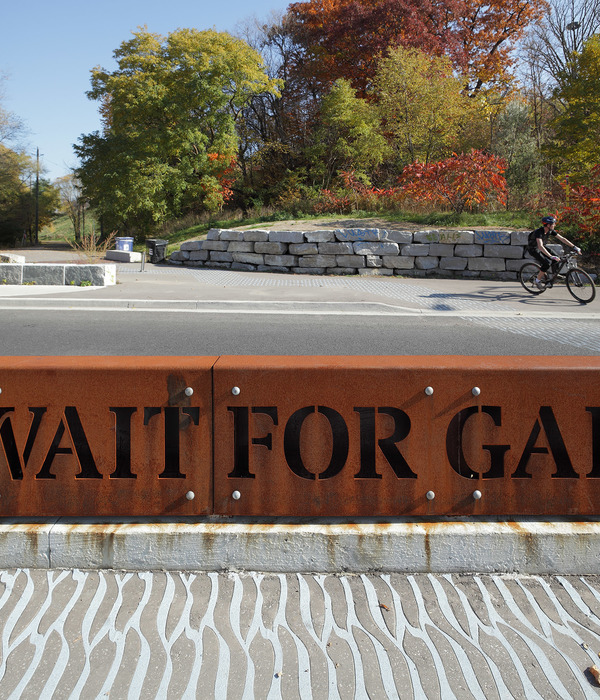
157,249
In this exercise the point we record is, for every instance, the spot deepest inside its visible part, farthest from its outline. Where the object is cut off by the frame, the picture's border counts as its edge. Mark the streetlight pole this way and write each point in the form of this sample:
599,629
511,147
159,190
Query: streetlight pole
37,196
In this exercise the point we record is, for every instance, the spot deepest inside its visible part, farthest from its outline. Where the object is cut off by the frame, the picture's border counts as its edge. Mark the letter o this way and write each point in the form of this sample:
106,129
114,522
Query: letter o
291,442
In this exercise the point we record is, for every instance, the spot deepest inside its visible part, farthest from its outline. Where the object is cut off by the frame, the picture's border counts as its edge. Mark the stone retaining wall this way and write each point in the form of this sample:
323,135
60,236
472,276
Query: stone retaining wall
467,254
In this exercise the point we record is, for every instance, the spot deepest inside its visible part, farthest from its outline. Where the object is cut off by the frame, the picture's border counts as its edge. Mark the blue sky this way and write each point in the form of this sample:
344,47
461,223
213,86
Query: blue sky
48,49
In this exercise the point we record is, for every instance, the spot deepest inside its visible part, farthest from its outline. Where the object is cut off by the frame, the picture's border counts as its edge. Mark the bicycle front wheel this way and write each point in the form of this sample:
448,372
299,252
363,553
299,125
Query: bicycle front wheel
581,285
527,276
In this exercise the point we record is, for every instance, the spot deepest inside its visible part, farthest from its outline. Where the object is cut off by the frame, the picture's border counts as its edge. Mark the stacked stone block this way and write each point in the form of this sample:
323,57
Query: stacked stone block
469,254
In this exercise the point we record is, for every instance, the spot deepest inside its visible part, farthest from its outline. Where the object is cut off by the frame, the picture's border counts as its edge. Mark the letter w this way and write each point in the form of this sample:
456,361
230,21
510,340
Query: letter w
7,438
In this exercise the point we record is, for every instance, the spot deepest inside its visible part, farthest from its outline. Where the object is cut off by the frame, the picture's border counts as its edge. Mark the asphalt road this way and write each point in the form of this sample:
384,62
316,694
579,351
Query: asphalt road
136,332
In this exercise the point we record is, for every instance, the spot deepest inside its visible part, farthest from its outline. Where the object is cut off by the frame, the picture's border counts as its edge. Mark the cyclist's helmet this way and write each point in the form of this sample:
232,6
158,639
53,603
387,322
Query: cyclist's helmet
549,220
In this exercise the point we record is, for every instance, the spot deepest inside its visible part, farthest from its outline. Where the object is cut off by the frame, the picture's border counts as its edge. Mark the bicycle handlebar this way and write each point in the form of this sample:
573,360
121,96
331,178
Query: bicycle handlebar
570,254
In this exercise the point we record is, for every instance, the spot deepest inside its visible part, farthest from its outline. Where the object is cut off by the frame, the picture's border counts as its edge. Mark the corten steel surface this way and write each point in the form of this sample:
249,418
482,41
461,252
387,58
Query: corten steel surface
105,436
359,436
299,436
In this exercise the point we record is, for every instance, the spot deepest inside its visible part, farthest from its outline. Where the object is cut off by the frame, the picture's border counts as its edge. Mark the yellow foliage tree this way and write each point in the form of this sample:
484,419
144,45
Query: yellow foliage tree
422,104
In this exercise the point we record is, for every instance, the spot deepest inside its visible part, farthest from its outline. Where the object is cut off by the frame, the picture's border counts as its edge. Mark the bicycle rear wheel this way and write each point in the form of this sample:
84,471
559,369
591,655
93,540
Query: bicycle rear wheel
581,285
527,276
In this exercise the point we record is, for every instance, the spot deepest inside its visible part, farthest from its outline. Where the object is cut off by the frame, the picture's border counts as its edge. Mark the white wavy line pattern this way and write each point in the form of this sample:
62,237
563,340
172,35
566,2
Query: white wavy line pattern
76,634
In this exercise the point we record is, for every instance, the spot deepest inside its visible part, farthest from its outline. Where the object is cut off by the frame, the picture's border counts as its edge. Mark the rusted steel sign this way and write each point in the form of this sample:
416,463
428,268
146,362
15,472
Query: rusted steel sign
105,436
402,436
299,436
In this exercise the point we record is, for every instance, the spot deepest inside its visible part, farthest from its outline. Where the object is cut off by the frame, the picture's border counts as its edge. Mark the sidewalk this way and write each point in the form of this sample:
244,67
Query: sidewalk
169,287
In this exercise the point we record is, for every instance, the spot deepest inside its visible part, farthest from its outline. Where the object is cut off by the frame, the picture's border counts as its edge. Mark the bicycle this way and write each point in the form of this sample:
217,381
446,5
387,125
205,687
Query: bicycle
579,283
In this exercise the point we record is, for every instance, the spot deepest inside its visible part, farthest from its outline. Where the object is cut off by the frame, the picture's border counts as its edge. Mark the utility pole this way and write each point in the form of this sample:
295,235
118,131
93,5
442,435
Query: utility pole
37,196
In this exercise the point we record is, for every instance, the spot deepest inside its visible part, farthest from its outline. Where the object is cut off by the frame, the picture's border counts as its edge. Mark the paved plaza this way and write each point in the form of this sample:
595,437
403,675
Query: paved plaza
97,634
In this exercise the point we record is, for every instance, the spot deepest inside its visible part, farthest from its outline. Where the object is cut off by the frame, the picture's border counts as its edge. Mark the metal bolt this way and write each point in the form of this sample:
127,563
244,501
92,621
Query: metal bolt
476,495
190,495
236,495
476,391
429,390
235,391
430,495
189,391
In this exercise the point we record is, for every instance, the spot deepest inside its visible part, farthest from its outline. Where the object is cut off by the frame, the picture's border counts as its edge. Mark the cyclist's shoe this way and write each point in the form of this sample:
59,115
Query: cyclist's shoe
540,284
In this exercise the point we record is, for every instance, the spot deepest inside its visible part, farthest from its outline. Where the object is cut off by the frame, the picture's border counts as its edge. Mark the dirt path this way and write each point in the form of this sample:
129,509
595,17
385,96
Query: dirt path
329,223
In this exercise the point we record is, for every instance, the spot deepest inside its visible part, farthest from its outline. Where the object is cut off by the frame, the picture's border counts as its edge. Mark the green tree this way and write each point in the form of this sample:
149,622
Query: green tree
10,125
422,104
276,131
72,203
13,175
18,200
350,135
514,141
575,147
169,112
12,189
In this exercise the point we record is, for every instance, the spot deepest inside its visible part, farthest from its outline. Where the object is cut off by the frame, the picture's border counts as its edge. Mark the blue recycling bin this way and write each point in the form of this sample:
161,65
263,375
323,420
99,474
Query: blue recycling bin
125,244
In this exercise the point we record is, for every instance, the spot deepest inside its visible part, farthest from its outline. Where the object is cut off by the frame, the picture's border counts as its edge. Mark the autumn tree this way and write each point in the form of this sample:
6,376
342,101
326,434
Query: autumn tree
487,33
558,35
344,38
169,111
422,104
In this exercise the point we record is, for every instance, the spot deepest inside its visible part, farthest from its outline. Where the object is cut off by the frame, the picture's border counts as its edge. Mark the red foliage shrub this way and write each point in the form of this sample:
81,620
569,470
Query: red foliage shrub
355,195
582,210
462,181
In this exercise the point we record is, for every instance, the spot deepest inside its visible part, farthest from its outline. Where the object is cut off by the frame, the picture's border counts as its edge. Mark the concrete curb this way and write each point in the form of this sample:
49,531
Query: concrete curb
216,306
526,547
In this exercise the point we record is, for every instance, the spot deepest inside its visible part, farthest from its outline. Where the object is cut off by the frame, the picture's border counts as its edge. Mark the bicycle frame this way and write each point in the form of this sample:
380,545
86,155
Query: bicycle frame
557,269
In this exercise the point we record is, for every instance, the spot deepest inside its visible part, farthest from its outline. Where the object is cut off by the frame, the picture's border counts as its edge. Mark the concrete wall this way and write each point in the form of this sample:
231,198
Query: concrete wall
57,274
466,254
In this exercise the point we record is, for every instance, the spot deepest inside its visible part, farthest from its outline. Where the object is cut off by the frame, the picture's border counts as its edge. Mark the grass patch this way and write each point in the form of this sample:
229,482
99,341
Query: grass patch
199,231
58,230
61,229
501,219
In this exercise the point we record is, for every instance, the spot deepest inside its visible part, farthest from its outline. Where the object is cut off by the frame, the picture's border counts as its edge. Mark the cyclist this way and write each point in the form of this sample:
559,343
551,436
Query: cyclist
536,247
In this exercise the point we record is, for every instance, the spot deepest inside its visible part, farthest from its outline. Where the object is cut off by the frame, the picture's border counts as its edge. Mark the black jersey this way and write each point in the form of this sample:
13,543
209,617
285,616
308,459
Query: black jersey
534,235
